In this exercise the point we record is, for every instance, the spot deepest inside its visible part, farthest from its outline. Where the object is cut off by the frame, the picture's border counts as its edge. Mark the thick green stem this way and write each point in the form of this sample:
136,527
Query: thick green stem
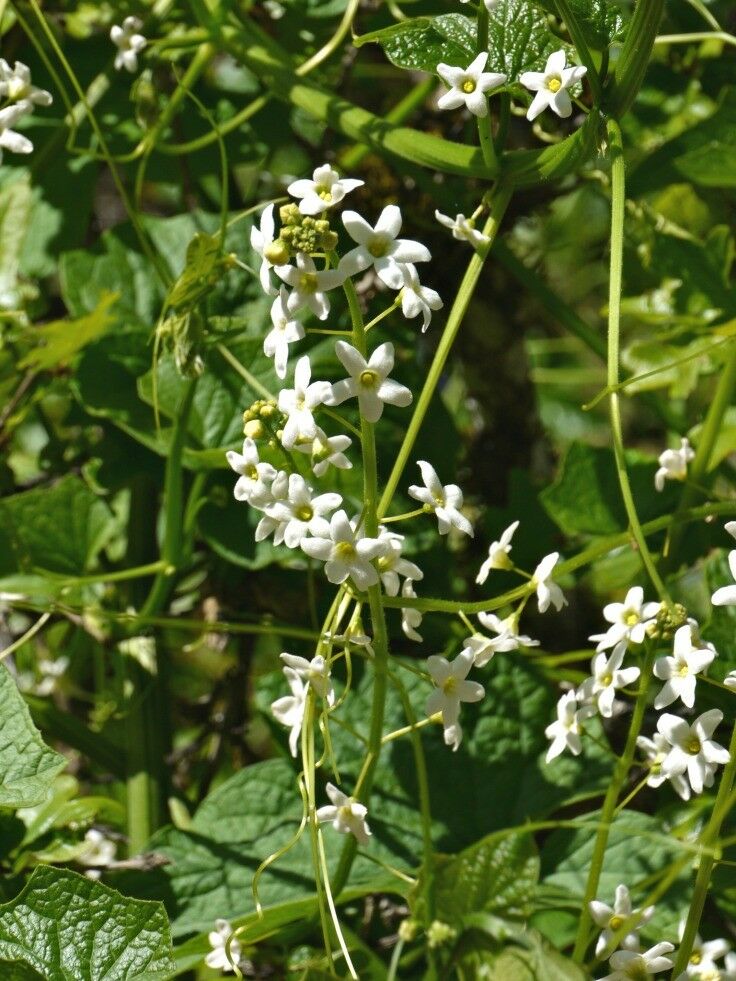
609,804
633,60
578,39
485,124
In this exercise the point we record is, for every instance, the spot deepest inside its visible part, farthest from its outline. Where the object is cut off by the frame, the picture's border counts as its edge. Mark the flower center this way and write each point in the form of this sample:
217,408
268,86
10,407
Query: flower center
378,246
616,922
304,513
251,471
693,745
469,86
308,283
386,563
554,83
696,957
606,679
637,971
16,89
345,551
345,812
368,378
683,671
630,618
450,685
324,192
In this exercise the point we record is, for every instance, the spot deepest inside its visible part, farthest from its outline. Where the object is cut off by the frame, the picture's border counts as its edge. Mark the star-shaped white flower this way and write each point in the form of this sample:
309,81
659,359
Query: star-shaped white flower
256,477
326,451
393,564
269,525
498,554
261,238
411,618
565,732
9,139
726,595
369,381
629,620
346,554
129,42
693,751
547,590
630,965
673,464
445,501
15,85
298,404
98,849
552,86
607,677
679,671
463,229
380,247
302,513
315,672
509,638
655,752
348,815
417,300
225,952
703,956
468,86
285,331
289,709
621,916
451,689
325,190
309,287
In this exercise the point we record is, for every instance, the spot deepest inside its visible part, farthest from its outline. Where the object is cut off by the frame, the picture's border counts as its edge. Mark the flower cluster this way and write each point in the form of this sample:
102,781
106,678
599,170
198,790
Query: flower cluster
19,97
129,41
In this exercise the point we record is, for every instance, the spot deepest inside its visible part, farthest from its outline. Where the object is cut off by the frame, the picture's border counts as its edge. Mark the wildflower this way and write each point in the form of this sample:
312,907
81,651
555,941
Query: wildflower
285,331
254,475
566,731
326,451
552,86
612,920
417,300
15,86
289,709
548,591
508,639
451,689
9,139
316,672
673,464
411,618
309,287
369,381
726,595
270,525
693,750
299,402
630,965
129,43
348,815
629,620
655,751
262,241
380,247
679,671
703,956
445,501
468,86
498,554
345,553
607,677
225,951
301,513
463,229
392,564
730,680
99,850
325,190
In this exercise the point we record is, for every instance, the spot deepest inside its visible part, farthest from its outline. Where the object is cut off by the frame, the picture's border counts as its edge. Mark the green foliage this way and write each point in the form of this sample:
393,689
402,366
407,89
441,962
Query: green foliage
601,21
62,339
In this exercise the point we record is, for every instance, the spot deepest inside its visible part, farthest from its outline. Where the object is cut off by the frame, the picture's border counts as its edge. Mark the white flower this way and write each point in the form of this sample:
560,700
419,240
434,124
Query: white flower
347,815
411,618
325,190
9,139
498,554
369,381
629,620
508,638
726,595
269,525
566,731
673,464
703,956
463,229
253,484
316,672
548,591
219,958
326,451
621,916
98,850
693,751
285,331
417,300
551,86
468,86
301,513
445,501
607,677
345,553
129,43
655,751
309,287
730,680
679,671
260,239
299,402
452,688
289,709
392,564
629,965
380,247
15,85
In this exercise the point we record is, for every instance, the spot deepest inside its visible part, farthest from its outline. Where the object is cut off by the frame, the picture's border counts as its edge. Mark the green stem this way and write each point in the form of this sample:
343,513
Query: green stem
633,60
578,39
485,124
499,202
609,803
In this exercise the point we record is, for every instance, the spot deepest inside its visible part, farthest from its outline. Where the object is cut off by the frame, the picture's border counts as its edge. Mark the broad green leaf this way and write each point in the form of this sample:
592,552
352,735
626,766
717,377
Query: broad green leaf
642,357
69,927
519,39
27,765
60,340
199,272
600,20
530,959
15,211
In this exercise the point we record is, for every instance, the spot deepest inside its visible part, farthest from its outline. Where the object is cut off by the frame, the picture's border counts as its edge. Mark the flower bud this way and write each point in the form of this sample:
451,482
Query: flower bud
277,253
254,428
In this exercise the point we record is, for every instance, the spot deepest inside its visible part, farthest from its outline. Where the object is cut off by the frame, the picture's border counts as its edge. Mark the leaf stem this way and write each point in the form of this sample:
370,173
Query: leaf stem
578,39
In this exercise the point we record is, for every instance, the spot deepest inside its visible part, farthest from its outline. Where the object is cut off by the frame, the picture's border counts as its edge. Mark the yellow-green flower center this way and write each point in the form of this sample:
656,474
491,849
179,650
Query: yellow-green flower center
554,83
345,551
308,282
696,957
304,513
378,246
368,378
616,922
469,86
449,686
324,192
251,471
683,671
693,746
606,679
631,618
17,89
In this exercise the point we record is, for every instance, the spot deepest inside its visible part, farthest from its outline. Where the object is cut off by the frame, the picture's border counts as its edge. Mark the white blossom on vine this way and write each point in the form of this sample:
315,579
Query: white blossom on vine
548,592
566,731
269,525
614,919
129,42
309,286
692,750
726,595
255,476
9,139
285,331
679,670
463,229
348,816
551,86
607,677
368,381
225,951
469,86
730,680
261,238
325,452
629,964
316,672
673,464
298,404
289,709
417,300
655,752
509,638
346,553
411,618
629,620
498,554
323,191
703,956
380,247
16,86
302,513
392,564
451,689
444,500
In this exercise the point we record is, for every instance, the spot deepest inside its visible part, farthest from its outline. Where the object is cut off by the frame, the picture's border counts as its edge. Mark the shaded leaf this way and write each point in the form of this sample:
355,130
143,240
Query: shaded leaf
60,340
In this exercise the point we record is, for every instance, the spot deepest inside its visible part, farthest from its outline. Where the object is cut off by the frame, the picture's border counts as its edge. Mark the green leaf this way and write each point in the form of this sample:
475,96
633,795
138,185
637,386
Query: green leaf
530,959
600,20
203,253
69,927
15,212
60,340
27,765
519,39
